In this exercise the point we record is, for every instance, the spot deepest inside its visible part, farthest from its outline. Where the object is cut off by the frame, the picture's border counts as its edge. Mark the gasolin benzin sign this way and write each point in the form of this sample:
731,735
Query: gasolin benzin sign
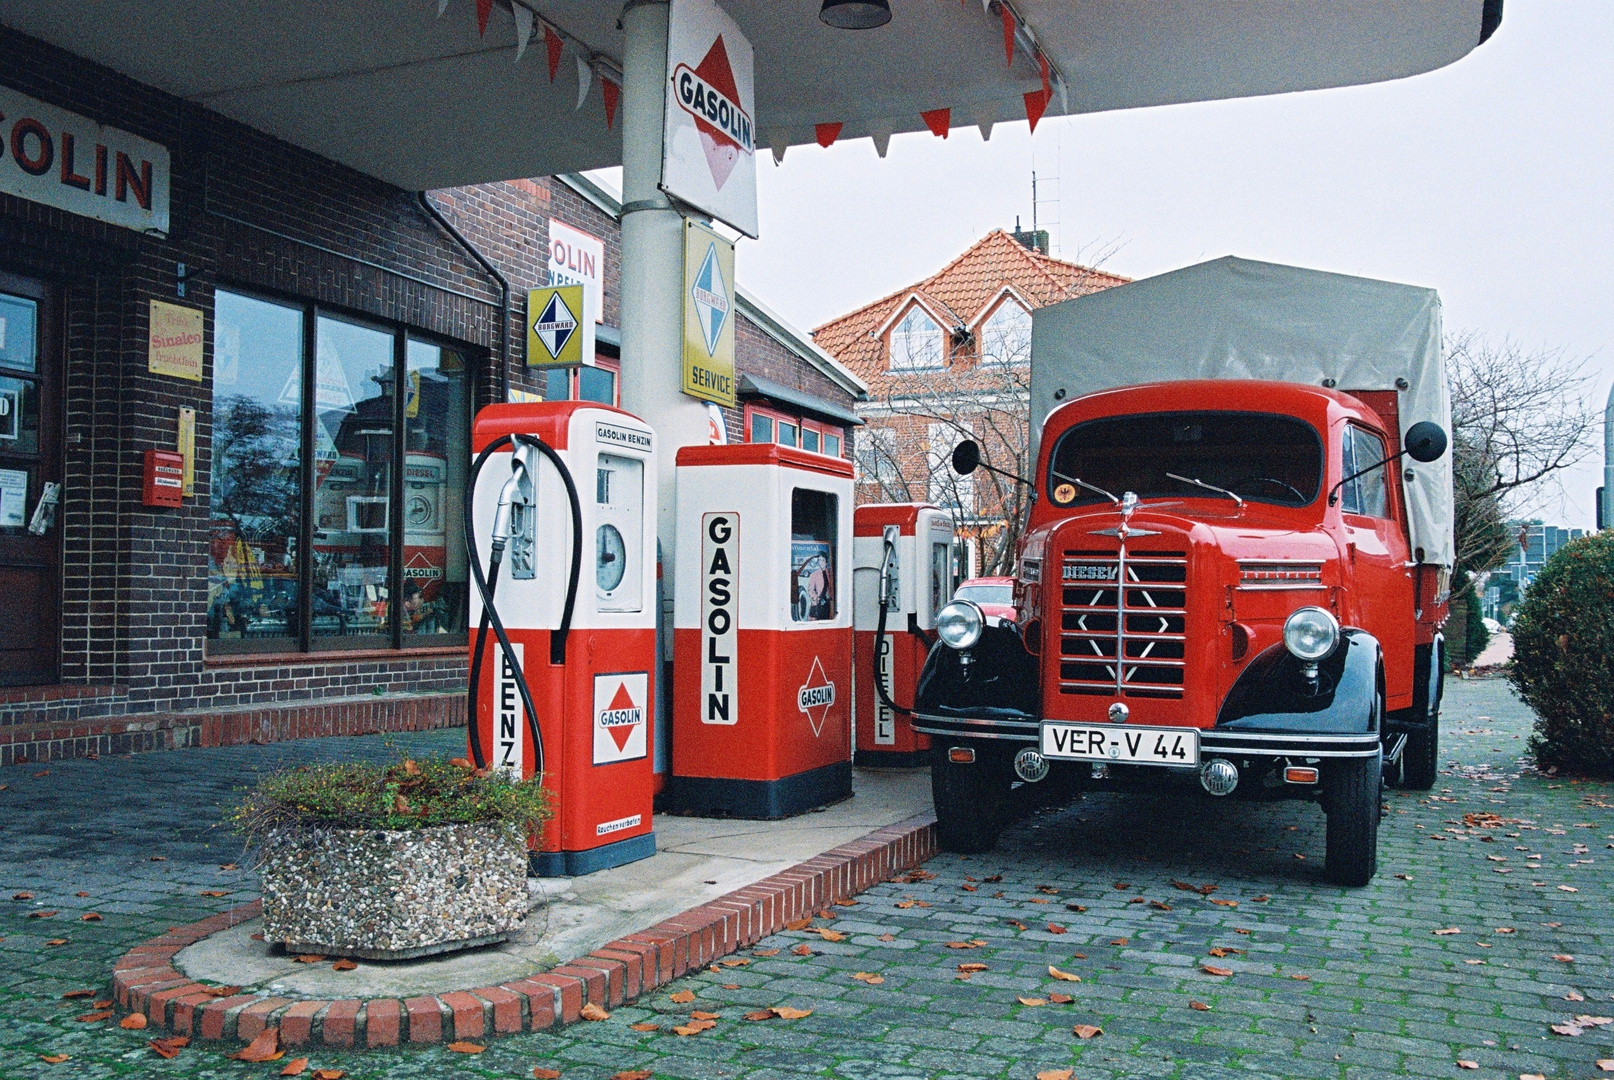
709,141
619,716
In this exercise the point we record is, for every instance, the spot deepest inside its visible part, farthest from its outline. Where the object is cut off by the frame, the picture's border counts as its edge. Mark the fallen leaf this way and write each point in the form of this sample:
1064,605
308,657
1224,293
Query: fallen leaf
1594,1021
731,986
90,1018
592,1011
229,866
1017,924
1079,955
698,1015
1119,941
904,904
1159,905
541,1073
1121,886
41,774
972,967
964,944
159,858
1567,888
1240,930
328,1074
1567,1029
214,892
1060,999
1037,900
1531,1076
735,962
994,878
760,1014
970,888
785,1012
107,1004
41,914
764,952
694,1027
466,1047
1222,950
1563,958
1199,1006
294,1067
344,964
1447,932
1574,995
1063,976
887,937
1075,907
1606,1064
868,977
71,994
1034,1002
1087,1031
683,997
1301,978
133,1022
1224,903
57,941
310,959
260,1049
1212,969
221,991
1055,1074
800,924
1467,1064
171,1046
53,1059
22,896
828,935
461,762
802,950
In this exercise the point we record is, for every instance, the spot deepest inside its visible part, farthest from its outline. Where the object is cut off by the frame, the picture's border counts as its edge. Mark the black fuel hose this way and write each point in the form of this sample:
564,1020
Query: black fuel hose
486,585
879,638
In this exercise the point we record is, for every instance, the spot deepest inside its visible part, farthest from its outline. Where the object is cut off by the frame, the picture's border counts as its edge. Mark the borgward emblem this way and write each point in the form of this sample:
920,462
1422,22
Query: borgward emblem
815,697
711,296
708,93
555,325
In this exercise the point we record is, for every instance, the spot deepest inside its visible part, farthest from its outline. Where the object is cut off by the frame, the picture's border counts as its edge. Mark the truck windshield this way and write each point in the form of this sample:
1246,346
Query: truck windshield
1261,457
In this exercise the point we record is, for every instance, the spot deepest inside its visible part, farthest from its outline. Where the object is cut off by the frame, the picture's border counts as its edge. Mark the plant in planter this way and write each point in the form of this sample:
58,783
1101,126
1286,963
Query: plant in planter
388,862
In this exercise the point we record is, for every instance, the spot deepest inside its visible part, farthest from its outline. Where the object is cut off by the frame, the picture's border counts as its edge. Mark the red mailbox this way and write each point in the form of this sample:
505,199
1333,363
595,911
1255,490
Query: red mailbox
165,479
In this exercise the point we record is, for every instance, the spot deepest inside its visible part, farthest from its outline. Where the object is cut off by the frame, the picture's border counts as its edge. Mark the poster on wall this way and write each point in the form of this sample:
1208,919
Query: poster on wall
175,347
576,258
708,315
708,139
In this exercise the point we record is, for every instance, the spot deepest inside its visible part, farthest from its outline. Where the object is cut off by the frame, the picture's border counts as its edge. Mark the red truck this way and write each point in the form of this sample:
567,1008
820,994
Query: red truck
1232,577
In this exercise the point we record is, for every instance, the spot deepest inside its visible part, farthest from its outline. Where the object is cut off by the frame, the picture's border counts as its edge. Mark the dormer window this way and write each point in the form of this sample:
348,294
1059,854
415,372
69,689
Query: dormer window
1006,337
916,342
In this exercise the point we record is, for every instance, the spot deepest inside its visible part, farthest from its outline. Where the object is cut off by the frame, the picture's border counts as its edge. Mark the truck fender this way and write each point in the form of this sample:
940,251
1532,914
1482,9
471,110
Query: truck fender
1273,694
1000,678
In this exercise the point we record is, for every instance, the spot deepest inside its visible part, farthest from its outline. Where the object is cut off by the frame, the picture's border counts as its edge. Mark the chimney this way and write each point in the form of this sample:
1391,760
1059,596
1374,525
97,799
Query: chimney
1031,240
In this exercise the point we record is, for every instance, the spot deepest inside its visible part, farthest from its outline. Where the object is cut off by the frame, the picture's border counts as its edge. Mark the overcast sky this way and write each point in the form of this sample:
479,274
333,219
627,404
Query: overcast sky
1491,180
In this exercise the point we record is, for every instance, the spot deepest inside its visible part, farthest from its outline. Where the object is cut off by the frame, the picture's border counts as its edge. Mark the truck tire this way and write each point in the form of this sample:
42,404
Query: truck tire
1353,791
1421,758
970,800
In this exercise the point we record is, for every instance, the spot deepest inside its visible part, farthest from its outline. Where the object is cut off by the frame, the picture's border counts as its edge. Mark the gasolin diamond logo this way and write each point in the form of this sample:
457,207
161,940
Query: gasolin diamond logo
620,703
816,696
709,141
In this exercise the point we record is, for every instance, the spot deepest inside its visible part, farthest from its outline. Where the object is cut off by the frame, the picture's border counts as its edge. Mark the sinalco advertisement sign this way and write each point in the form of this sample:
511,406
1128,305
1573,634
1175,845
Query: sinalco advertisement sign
708,315
709,156
560,326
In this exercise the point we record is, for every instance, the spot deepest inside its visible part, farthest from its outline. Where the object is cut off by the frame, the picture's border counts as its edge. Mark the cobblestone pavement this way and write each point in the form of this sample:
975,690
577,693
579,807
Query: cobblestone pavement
1324,981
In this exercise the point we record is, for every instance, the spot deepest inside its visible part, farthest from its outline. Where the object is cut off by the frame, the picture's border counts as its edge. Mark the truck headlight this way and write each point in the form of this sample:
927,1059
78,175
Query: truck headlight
959,624
1311,634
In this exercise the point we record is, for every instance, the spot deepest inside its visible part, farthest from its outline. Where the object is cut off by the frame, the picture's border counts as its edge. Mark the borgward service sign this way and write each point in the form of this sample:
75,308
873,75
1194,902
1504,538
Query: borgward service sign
709,144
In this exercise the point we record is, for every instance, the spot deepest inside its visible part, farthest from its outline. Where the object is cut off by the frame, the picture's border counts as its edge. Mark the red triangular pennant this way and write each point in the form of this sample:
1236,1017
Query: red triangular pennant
938,121
484,8
827,134
1042,62
1036,101
553,43
611,90
1008,32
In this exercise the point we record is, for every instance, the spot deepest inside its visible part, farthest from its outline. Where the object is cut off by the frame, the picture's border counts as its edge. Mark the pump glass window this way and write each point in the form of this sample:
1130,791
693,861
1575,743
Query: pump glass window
813,566
254,490
1262,457
941,576
437,457
916,342
618,538
1368,494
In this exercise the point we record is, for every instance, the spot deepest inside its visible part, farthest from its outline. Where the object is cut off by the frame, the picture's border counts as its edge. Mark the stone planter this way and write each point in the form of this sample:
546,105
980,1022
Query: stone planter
385,895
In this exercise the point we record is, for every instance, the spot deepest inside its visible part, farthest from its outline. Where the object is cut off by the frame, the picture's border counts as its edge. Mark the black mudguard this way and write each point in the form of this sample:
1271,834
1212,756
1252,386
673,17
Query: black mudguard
1000,679
1274,695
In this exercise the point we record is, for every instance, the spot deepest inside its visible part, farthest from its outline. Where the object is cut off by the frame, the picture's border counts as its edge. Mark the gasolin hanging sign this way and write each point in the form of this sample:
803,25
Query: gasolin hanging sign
619,716
709,140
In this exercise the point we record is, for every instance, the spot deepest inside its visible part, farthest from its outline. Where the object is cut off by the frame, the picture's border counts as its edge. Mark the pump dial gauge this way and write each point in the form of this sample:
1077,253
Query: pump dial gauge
610,558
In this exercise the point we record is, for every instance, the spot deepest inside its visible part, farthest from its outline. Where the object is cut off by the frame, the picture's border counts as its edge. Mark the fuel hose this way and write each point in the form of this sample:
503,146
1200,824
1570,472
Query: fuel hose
879,631
487,584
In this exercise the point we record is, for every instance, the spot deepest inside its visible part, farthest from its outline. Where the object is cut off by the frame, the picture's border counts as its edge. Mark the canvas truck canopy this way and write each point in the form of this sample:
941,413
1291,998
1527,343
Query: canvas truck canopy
1234,318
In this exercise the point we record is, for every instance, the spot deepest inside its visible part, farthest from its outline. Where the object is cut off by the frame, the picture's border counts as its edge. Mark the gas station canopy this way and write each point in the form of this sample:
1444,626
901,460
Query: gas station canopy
395,91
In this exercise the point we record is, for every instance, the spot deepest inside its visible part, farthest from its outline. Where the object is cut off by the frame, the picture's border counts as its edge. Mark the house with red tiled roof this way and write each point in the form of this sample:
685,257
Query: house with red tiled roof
949,358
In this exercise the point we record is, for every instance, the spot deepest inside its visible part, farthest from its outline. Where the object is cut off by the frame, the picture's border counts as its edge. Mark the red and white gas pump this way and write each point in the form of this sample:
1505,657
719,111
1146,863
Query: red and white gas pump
762,629
902,558
590,681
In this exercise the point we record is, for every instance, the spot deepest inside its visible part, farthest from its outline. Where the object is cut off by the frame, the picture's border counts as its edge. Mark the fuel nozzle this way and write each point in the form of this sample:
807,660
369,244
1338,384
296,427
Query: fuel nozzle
515,517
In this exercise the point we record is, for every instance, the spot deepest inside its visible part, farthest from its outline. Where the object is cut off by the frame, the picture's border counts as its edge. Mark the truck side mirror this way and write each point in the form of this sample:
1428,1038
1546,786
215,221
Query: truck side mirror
1425,441
967,455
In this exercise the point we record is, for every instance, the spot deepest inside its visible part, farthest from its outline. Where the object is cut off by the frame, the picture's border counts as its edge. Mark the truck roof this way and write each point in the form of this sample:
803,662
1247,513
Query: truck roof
1234,318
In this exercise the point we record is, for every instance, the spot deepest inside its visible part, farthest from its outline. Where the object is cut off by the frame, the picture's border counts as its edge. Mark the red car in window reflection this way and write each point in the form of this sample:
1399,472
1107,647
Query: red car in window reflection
993,595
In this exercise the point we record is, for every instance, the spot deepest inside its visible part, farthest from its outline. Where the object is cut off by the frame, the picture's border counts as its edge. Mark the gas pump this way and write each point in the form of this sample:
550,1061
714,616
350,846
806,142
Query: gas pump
554,484
762,631
901,578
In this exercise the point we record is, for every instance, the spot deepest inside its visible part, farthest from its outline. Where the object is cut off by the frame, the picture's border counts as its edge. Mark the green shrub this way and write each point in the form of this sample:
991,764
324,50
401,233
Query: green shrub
1563,657
403,795
1476,634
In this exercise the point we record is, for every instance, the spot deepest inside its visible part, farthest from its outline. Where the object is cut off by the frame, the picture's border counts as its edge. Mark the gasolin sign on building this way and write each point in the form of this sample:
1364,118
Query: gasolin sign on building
709,139
708,315
619,716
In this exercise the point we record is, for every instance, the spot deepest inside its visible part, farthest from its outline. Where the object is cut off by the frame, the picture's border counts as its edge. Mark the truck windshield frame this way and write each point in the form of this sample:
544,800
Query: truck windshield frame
1268,458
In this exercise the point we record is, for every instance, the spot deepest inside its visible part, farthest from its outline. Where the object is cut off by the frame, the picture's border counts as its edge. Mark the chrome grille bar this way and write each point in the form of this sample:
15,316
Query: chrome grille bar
1123,623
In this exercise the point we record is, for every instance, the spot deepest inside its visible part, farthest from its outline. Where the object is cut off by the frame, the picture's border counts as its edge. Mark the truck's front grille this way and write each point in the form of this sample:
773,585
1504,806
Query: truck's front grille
1122,623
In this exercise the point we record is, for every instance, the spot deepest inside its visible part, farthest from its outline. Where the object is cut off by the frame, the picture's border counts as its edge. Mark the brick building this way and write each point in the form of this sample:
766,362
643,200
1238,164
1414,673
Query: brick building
949,358
312,582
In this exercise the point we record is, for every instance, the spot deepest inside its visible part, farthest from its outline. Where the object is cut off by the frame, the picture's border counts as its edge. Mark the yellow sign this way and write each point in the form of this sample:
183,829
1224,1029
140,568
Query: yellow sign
186,443
175,346
556,327
708,315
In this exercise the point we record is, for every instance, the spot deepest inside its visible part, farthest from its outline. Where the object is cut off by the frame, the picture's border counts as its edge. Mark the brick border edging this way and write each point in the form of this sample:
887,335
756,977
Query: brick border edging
144,980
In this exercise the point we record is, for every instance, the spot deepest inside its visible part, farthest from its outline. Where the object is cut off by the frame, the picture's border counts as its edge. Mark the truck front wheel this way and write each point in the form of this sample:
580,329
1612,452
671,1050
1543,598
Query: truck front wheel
1352,790
971,801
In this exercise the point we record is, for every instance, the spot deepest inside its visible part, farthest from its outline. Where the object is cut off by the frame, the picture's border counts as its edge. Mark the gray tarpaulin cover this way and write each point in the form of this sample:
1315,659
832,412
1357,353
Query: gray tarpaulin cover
1237,319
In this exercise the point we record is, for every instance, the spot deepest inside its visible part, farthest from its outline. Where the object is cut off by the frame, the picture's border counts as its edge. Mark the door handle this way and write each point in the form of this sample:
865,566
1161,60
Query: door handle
45,509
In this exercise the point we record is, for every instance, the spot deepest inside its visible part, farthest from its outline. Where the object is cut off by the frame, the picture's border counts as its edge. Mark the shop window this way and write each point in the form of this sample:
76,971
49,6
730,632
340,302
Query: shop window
761,428
597,384
916,342
812,555
809,439
788,433
832,445
1006,336
764,425
1367,495
368,527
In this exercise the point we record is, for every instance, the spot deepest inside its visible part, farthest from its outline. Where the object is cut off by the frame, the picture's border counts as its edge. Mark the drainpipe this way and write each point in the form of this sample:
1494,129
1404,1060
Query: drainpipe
493,272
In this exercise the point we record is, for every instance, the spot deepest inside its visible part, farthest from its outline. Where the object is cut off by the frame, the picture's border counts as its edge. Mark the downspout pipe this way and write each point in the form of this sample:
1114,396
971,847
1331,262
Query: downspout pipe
493,272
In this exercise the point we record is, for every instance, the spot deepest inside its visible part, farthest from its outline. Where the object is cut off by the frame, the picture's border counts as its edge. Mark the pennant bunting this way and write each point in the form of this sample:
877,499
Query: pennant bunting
553,44
523,28
610,90
1042,63
882,139
442,6
585,75
1036,102
986,6
986,130
779,149
938,121
484,8
826,134
1008,32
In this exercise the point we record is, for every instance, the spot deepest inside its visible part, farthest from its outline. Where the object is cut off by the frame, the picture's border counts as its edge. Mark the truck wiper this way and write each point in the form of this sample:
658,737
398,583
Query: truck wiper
1090,487
1208,487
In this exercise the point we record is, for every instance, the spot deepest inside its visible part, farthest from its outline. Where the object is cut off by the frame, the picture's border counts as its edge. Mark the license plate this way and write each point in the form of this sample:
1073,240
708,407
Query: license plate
1121,743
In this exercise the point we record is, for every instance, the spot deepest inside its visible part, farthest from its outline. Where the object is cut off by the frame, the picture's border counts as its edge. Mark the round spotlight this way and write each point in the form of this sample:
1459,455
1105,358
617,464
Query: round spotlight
959,624
1311,634
855,14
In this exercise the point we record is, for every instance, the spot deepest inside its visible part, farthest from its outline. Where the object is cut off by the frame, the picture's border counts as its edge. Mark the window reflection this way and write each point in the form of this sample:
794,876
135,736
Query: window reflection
436,404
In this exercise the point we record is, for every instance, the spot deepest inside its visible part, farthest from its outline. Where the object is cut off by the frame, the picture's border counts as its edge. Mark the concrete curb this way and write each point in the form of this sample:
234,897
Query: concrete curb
145,980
